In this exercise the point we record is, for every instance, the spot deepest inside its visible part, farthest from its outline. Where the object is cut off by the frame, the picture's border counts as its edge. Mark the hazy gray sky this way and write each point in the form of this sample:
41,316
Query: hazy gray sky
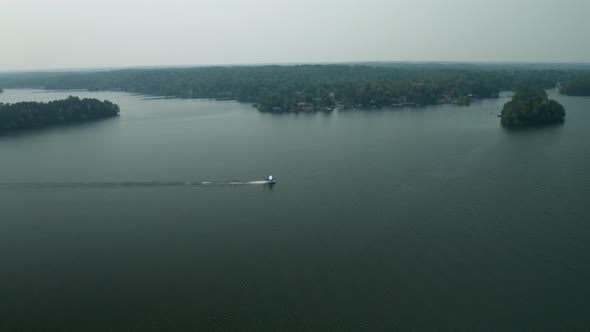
41,34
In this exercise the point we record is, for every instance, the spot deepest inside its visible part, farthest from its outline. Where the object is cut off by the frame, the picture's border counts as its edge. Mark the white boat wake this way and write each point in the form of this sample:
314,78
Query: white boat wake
127,184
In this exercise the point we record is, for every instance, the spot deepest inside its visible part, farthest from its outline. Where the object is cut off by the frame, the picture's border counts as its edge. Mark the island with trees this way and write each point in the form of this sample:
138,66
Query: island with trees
308,88
29,115
530,106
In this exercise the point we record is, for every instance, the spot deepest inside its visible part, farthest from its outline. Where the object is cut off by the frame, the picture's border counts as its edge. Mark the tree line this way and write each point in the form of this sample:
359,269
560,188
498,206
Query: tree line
577,87
305,87
28,115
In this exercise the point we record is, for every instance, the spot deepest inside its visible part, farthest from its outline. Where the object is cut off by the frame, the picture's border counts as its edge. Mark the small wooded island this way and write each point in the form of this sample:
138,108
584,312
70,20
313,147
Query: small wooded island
29,115
530,106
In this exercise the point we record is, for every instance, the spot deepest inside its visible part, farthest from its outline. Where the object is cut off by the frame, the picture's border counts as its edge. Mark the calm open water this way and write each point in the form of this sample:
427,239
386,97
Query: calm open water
406,219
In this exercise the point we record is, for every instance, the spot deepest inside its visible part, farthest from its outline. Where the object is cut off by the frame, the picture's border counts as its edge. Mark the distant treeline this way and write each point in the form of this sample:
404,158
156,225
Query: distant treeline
305,87
28,115
577,87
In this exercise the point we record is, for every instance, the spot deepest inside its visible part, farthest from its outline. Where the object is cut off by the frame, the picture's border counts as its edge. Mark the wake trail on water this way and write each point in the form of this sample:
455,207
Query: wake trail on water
124,184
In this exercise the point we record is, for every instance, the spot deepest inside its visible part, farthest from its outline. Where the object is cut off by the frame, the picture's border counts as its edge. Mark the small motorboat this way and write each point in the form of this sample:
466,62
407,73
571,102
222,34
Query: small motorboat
269,180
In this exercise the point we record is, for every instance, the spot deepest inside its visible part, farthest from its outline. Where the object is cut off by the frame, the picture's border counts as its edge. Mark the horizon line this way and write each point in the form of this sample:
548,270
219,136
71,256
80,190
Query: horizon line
170,66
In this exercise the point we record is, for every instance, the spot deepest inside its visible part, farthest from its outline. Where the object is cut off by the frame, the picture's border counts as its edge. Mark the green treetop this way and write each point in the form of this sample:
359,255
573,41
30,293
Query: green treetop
530,106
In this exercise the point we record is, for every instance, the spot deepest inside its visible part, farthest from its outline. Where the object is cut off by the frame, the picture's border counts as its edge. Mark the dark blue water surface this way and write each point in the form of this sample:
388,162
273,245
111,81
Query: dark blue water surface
430,218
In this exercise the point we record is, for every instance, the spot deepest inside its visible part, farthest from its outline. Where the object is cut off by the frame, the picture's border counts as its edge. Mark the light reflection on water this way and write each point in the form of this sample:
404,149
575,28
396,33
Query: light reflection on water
408,219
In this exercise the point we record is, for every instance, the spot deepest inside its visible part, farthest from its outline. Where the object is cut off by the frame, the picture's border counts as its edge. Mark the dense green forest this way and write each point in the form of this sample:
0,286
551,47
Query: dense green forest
306,87
530,106
577,87
27,115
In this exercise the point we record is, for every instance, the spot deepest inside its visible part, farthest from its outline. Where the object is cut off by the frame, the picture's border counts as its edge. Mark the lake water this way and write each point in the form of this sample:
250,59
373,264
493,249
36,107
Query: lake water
432,218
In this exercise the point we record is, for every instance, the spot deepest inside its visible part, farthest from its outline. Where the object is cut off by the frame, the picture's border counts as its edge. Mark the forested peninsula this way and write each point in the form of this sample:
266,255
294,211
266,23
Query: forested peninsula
29,115
577,87
530,106
304,88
